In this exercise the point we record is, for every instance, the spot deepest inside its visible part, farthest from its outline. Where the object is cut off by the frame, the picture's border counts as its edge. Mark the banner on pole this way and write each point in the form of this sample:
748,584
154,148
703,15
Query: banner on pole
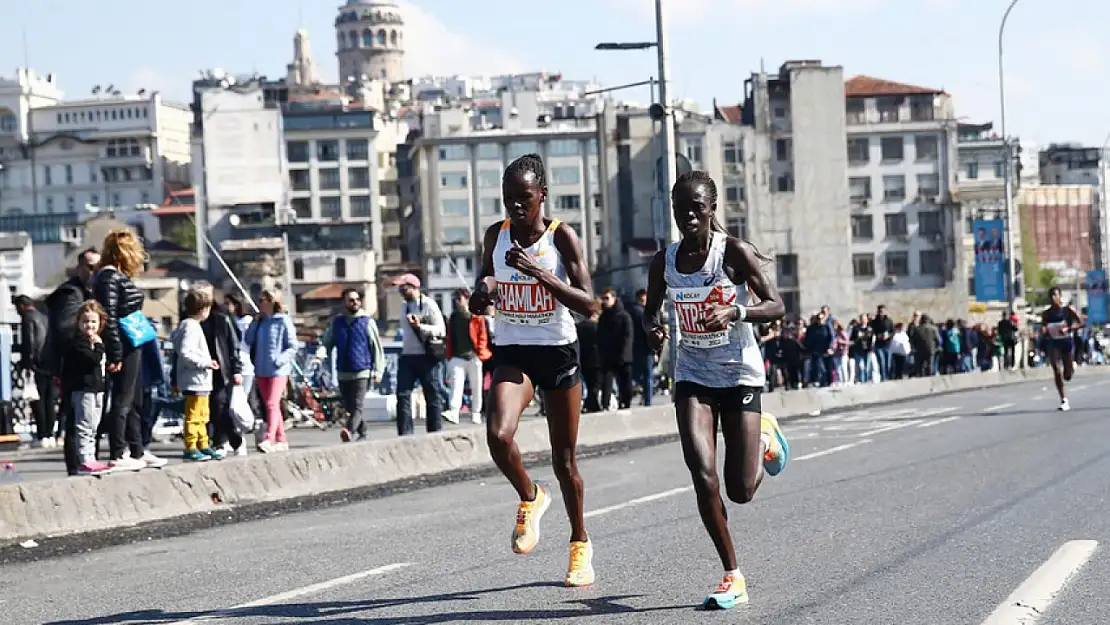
990,260
1098,305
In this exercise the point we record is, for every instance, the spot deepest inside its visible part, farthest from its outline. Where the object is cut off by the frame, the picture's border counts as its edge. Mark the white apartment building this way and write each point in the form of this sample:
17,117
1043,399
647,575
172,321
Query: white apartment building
855,202
1069,163
458,174
109,151
17,267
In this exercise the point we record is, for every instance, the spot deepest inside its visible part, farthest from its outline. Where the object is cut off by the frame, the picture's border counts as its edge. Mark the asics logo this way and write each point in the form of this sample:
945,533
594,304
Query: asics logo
748,398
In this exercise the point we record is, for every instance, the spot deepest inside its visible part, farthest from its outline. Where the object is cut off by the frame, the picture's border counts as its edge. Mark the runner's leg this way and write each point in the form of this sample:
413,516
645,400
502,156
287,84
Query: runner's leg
509,393
1054,361
564,408
743,453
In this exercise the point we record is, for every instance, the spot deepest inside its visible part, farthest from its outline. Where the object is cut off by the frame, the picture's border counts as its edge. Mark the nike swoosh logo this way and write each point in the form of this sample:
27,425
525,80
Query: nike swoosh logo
710,280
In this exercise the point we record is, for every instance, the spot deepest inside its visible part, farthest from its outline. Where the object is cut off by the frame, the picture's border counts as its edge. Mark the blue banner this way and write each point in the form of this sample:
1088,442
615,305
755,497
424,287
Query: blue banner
990,260
1098,305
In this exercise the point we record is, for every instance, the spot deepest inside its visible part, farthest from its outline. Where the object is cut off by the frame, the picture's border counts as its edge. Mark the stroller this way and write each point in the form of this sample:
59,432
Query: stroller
313,402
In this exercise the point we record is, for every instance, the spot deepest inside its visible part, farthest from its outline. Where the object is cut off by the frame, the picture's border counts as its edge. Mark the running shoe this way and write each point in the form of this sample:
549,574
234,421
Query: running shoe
732,591
152,461
93,467
528,514
580,572
193,455
127,463
1064,406
778,450
214,454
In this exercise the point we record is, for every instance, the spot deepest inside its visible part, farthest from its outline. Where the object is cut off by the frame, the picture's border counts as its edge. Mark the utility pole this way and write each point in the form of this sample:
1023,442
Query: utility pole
1008,175
670,164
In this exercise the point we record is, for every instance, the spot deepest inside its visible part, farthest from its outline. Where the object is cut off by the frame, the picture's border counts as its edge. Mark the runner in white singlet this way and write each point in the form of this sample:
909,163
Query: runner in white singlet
534,272
711,278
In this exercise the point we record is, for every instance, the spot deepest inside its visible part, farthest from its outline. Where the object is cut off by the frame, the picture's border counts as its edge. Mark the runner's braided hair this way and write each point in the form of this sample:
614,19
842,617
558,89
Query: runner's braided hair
528,163
695,177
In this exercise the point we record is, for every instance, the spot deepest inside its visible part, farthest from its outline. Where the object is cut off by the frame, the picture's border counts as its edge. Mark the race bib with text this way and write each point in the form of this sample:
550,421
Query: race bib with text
524,301
692,305
1058,330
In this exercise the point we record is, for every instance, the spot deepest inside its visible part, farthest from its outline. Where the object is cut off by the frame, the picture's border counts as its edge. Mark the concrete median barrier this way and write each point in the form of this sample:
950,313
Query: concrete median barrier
66,506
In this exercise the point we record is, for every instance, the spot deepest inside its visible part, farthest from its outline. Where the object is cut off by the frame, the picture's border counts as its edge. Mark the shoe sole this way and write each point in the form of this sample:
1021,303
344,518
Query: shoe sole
590,581
774,468
538,517
723,603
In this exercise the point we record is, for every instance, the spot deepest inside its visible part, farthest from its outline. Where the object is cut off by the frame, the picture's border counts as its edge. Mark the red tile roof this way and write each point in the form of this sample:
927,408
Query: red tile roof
731,114
325,292
869,87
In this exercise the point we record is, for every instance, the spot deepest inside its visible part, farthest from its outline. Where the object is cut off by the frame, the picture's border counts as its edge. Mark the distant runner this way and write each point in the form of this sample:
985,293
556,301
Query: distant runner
1058,325
536,266
719,372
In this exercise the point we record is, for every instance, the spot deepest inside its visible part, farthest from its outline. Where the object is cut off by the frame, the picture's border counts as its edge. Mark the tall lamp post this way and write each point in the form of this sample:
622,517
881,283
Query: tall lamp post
1011,267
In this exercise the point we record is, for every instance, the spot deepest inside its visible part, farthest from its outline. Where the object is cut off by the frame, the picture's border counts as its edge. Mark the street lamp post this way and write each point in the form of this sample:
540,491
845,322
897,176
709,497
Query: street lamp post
1008,176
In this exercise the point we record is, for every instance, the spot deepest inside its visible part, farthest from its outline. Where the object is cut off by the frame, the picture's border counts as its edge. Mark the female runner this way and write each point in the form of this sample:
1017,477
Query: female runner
1058,325
719,372
536,266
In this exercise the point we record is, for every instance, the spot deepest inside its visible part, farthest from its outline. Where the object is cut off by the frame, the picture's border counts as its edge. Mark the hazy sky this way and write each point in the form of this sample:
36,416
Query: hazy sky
1056,63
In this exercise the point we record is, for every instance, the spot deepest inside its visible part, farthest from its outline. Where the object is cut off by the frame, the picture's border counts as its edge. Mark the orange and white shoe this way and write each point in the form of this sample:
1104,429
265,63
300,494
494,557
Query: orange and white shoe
731,592
580,572
526,534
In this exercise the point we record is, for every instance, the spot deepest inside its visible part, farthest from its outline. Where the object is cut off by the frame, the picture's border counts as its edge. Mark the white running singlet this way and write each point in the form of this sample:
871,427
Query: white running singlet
527,313
722,359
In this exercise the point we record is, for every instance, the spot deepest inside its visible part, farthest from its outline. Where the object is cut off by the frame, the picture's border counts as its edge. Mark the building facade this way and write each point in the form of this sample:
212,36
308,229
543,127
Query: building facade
17,266
1058,220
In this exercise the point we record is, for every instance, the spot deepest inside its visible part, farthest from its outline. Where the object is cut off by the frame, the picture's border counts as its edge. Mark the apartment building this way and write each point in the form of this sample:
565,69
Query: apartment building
1069,164
1058,221
855,201
457,174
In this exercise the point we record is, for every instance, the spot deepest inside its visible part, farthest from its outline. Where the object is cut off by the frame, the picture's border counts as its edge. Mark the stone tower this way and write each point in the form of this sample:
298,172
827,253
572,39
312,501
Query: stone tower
371,41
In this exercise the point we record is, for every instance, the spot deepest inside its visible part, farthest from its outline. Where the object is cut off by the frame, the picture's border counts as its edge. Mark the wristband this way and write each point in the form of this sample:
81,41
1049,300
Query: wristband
741,312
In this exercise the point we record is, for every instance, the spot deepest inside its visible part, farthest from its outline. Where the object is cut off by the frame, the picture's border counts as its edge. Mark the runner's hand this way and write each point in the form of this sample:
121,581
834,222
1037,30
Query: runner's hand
719,318
483,296
656,337
520,260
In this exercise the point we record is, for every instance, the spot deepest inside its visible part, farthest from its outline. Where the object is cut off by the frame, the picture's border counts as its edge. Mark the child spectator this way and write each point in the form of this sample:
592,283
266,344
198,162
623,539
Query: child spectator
83,370
194,376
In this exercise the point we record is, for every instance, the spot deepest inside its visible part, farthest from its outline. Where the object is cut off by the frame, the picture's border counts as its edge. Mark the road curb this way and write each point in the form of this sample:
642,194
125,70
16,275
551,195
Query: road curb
64,506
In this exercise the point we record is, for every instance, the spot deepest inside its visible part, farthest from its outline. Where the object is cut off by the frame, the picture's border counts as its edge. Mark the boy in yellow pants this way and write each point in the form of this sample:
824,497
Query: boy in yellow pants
193,375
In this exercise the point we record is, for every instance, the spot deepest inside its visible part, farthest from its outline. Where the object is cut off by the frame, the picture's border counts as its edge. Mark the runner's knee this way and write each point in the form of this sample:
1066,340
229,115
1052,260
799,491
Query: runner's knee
706,482
741,491
499,439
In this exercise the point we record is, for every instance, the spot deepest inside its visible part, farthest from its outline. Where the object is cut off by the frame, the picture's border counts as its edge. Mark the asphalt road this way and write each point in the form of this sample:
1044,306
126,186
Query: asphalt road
930,512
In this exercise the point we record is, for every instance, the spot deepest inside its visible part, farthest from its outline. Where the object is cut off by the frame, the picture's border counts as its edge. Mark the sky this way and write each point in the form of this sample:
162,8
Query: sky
1054,56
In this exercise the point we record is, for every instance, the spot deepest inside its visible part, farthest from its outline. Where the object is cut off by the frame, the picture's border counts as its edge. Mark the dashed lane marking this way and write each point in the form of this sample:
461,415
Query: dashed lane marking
929,424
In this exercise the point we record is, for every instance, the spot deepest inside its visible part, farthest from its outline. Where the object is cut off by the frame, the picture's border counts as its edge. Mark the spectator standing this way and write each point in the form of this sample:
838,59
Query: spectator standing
223,337
359,359
1008,336
468,346
62,310
643,359
862,350
193,369
615,342
589,358
83,369
33,360
154,379
882,326
121,259
272,340
899,352
422,336
925,340
841,343
819,344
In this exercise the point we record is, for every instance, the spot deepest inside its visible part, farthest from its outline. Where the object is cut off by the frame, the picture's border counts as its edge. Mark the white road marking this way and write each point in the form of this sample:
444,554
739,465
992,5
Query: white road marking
888,428
294,594
1036,398
831,450
1029,601
929,424
998,407
638,501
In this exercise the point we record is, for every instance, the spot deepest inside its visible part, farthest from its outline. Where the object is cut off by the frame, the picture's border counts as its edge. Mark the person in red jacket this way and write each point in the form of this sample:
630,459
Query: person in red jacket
467,348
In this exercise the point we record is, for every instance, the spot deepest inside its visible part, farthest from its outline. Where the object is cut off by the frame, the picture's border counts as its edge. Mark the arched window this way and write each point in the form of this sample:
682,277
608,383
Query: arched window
298,269
367,38
381,37
393,37
341,268
342,43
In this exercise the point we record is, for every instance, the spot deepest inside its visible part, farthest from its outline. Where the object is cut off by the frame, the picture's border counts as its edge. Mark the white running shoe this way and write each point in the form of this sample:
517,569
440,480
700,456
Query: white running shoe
127,463
153,462
1064,406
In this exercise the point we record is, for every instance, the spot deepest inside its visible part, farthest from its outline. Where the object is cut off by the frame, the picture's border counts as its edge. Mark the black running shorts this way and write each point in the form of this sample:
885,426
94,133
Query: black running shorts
743,398
549,367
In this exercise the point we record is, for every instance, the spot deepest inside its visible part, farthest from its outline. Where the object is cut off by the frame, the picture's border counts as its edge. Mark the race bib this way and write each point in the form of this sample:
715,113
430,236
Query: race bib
692,305
1058,330
524,301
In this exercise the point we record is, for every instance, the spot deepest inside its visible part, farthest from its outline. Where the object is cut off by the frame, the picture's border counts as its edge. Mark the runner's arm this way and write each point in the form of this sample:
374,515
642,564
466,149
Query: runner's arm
742,259
656,289
579,294
485,283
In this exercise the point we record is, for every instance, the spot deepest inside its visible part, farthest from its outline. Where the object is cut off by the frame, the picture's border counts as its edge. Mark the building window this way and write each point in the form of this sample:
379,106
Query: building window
299,179
693,151
971,286
896,225
94,199
298,269
302,207
782,149
329,179
929,223
928,185
855,112
93,173
921,109
568,202
330,208
452,181
732,152
454,153
734,193
69,174
489,152
932,262
7,122
358,178
888,109
489,178
738,227
786,265
892,148
859,188
520,148
50,205
341,268
1000,169
71,204
360,206
897,264
456,236
859,151
46,176
564,175
972,170
780,112
863,265
894,188
490,206
358,149
144,197
297,151
455,208
327,151
562,147
862,227
785,183
925,147
116,200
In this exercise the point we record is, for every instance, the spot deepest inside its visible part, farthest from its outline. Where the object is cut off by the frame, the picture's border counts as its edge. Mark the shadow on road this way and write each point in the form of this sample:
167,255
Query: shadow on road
348,612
